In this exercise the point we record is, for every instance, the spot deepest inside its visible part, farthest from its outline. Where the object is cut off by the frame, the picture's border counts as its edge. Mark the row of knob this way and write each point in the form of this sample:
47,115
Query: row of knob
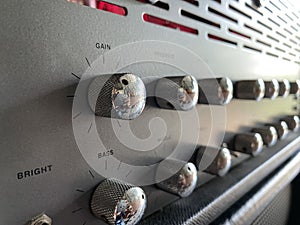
123,96
120,203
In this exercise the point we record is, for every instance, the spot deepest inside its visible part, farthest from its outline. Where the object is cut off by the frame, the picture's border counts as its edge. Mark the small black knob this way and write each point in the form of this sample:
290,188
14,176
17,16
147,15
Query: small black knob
284,88
281,128
295,88
250,89
272,89
268,134
293,122
249,143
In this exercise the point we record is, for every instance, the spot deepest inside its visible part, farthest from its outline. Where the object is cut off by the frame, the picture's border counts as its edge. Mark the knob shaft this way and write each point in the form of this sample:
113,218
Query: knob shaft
215,91
180,93
120,96
281,129
221,163
181,183
284,88
249,143
117,202
250,89
268,134
295,88
293,122
272,89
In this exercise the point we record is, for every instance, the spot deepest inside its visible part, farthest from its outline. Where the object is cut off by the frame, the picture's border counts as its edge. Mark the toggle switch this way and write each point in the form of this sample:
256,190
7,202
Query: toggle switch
217,91
121,96
181,183
295,88
284,88
180,93
271,89
281,129
221,163
117,202
249,143
268,134
293,122
250,89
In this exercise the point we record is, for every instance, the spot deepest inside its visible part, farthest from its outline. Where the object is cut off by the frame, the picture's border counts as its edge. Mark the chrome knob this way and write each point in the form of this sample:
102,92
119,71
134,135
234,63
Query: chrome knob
181,183
180,93
295,88
293,122
281,129
249,143
215,91
268,134
284,88
121,96
271,89
221,163
117,202
250,89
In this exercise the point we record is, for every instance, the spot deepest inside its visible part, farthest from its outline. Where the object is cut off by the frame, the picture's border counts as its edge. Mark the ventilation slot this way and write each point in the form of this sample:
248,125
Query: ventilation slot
268,9
264,43
221,14
288,31
253,49
297,62
218,1
169,24
289,17
264,25
298,37
295,42
279,49
238,33
292,54
271,54
220,39
285,44
295,15
199,19
281,19
277,24
255,10
272,38
286,59
275,6
240,12
297,49
158,4
283,4
194,2
294,28
253,29
280,34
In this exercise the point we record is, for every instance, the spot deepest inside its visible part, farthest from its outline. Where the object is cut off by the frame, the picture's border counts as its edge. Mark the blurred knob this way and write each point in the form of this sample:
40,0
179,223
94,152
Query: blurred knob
117,202
295,88
120,96
249,143
293,122
215,91
180,93
272,89
221,163
268,134
281,129
250,89
181,183
284,88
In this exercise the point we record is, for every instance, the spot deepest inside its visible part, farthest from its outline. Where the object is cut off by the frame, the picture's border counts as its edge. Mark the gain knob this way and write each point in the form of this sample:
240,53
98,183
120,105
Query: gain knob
117,202
180,93
249,143
284,88
295,88
293,122
121,96
215,91
272,89
281,129
268,134
250,89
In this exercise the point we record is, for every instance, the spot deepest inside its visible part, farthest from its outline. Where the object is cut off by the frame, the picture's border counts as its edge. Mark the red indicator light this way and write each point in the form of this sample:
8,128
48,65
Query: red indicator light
167,23
109,7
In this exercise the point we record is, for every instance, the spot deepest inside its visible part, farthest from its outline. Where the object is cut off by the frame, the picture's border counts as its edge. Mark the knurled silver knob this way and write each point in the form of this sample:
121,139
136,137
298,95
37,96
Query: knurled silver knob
180,93
250,89
281,128
221,163
268,134
293,122
295,88
181,183
272,89
215,91
117,202
284,88
121,96
249,143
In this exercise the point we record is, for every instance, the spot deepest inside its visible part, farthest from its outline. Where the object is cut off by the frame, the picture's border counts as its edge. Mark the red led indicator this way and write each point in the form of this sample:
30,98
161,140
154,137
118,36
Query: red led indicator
109,7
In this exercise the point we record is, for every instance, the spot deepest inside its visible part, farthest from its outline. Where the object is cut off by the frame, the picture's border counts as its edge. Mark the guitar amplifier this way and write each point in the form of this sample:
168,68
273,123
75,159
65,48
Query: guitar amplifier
149,112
